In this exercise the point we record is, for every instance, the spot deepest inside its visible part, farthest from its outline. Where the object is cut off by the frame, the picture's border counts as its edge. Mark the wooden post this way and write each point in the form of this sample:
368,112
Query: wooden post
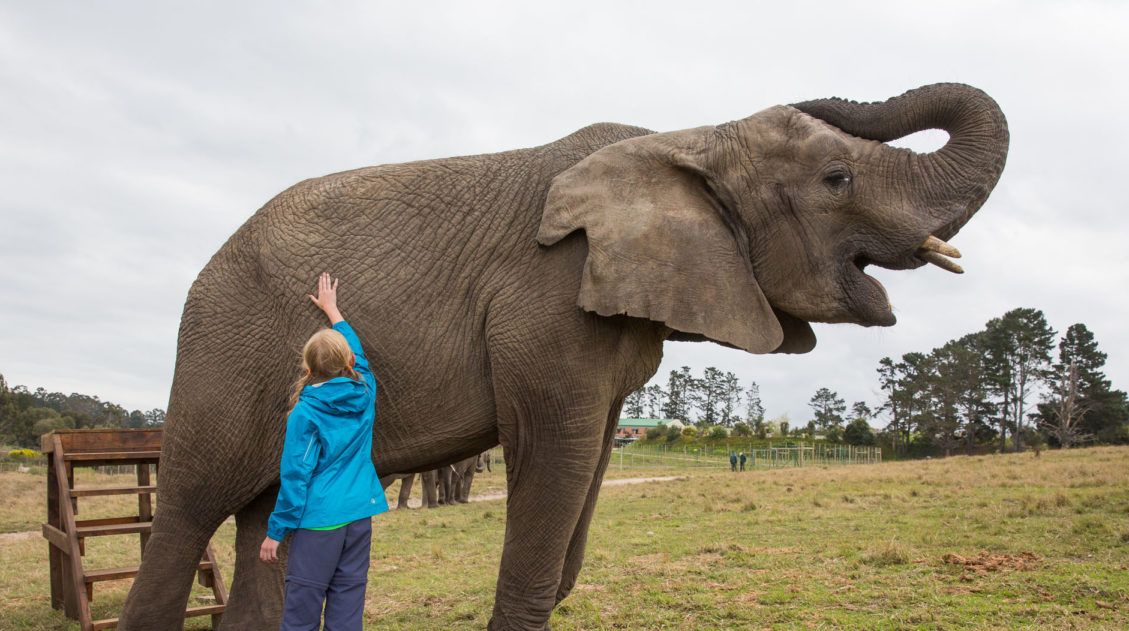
81,608
144,503
54,555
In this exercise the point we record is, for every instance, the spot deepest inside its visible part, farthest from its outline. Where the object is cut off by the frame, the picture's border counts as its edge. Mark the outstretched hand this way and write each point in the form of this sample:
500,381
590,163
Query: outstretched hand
326,298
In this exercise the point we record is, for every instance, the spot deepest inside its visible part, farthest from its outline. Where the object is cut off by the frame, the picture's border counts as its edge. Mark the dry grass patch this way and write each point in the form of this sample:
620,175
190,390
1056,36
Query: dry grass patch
836,547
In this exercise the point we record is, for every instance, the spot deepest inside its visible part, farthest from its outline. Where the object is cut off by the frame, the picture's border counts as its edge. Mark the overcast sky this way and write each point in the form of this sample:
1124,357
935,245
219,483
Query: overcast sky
135,138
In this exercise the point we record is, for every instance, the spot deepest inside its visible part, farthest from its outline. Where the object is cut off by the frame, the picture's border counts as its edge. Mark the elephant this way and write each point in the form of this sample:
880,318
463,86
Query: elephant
516,298
447,485
462,474
428,484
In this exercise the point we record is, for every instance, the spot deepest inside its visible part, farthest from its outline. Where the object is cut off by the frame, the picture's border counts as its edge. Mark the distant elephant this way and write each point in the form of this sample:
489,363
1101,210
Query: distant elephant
518,297
463,473
427,484
455,480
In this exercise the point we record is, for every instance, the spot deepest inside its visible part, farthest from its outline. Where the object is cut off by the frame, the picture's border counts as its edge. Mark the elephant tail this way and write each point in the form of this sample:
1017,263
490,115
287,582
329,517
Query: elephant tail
159,595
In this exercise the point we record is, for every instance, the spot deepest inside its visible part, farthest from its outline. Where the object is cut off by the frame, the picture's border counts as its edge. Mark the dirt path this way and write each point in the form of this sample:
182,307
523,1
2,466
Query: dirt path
412,503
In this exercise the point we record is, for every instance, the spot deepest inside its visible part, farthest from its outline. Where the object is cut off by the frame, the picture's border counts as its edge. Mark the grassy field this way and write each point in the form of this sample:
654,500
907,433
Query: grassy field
984,542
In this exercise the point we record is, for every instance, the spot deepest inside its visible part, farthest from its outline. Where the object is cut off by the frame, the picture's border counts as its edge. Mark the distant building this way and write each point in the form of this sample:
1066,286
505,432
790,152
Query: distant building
635,428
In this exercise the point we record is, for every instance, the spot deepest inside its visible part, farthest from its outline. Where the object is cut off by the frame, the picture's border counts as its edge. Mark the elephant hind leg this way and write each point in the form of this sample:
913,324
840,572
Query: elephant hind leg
159,595
255,601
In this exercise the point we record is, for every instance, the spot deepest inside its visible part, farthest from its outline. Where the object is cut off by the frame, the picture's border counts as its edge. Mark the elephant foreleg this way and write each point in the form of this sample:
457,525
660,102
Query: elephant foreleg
446,486
549,472
255,601
574,558
428,480
405,491
464,485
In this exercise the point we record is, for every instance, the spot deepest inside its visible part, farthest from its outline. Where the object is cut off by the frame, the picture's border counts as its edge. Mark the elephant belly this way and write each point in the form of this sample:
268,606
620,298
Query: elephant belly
431,410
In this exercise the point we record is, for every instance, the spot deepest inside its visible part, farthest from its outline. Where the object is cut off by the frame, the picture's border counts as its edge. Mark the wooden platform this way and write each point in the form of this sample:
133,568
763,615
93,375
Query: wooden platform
72,585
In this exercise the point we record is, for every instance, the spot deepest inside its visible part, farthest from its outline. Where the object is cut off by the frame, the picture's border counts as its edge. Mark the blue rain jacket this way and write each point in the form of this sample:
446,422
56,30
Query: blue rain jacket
327,473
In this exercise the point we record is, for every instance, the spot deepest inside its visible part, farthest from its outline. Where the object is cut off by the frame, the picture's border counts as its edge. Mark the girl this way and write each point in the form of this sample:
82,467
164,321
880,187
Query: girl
329,487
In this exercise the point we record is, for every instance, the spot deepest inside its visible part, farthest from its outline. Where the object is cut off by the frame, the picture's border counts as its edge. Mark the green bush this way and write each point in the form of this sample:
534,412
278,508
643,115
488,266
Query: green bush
673,433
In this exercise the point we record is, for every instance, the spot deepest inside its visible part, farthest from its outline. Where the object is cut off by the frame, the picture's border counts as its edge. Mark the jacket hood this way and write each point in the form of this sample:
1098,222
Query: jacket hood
338,396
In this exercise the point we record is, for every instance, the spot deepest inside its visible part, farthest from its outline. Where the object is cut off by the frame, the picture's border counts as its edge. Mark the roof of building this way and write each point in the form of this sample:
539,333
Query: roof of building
645,422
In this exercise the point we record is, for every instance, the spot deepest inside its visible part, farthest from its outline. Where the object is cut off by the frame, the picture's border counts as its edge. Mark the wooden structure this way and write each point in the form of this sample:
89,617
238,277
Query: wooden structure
72,585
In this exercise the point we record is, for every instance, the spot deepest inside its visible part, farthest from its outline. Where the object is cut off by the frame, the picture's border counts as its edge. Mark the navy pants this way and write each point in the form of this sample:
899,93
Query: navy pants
327,567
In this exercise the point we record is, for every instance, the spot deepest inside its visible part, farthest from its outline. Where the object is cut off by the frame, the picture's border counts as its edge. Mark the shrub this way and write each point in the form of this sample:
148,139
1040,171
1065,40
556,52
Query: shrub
673,433
858,432
24,454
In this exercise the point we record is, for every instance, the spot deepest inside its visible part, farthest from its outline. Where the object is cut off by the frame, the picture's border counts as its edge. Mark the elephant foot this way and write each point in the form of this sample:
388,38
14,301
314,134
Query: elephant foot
502,624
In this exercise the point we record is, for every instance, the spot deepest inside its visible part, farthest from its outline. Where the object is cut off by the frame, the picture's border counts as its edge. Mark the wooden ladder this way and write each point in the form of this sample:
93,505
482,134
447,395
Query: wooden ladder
72,585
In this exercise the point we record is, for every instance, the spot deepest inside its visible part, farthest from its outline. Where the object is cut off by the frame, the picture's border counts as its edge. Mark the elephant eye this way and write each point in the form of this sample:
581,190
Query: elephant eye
838,180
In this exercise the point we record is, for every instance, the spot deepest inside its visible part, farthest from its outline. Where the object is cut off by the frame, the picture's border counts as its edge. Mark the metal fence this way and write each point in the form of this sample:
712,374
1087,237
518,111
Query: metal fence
770,456
39,467
638,456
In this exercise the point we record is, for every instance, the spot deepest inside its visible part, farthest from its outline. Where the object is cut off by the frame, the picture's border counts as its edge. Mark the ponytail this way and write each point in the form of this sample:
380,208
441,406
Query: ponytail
298,385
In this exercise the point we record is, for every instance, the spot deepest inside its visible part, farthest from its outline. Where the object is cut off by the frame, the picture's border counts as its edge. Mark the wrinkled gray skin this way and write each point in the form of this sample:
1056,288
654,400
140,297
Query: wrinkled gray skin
517,297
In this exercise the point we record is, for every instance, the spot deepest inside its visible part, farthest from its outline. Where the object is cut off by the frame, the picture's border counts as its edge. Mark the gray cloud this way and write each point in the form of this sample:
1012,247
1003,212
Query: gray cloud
136,138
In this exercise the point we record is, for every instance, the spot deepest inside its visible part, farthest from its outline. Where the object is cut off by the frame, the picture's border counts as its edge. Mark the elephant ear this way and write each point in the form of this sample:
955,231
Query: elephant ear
660,243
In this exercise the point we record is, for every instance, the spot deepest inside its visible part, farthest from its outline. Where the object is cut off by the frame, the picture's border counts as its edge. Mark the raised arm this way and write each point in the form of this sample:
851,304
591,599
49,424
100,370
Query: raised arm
326,300
360,362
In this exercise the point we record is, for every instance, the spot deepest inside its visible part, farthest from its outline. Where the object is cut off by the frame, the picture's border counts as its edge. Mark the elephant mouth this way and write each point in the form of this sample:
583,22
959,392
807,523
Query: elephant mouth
868,298
870,301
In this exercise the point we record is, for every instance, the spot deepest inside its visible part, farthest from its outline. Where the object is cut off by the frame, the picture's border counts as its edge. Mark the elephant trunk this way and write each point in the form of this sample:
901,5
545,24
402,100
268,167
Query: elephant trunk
955,179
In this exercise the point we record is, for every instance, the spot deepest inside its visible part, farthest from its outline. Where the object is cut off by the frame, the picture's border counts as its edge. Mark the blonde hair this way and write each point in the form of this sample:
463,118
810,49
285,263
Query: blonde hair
326,355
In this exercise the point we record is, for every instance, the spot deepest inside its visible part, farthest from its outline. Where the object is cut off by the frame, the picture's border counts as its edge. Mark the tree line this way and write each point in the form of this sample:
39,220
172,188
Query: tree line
25,414
713,399
1003,387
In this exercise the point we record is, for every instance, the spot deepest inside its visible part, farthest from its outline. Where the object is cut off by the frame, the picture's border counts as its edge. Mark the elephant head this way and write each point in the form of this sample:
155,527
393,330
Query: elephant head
745,232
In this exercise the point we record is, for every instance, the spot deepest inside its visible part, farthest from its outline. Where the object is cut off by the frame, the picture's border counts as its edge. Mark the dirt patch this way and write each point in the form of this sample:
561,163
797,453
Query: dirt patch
985,562
18,536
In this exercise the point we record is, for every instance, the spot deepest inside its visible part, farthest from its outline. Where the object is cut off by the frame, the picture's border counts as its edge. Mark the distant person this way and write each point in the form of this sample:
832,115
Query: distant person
733,461
743,458
329,489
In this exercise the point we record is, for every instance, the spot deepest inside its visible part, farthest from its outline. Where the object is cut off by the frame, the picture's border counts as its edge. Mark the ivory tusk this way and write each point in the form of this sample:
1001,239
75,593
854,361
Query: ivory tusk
933,244
940,261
